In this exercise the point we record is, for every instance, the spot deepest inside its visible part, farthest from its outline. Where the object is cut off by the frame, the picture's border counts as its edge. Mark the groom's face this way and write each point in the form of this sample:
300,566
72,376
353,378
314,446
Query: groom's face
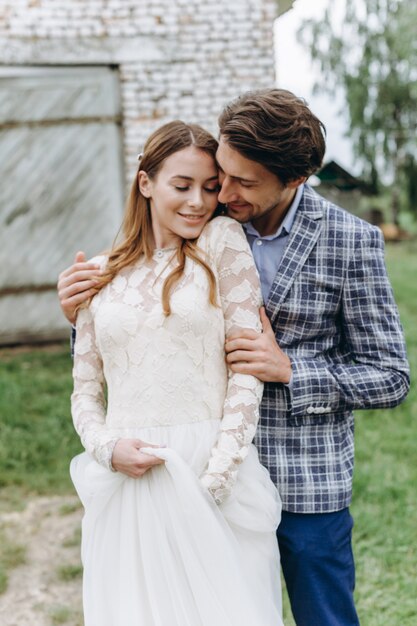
251,192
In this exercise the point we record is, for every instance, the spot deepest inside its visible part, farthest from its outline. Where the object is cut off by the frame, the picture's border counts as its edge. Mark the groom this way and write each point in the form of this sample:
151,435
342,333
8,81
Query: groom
331,343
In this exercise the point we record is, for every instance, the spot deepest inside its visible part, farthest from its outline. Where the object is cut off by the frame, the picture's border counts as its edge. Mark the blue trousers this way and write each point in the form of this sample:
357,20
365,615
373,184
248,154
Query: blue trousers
318,566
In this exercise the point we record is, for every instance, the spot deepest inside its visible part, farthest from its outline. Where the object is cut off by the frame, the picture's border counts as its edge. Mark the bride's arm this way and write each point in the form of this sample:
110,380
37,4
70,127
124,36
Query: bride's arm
88,400
240,297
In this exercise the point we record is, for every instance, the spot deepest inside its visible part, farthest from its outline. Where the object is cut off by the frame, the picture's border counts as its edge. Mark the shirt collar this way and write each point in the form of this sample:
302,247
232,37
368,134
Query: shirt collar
285,227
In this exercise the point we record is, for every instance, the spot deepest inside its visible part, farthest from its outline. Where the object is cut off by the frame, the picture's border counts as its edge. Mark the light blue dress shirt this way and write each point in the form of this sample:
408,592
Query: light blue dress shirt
268,250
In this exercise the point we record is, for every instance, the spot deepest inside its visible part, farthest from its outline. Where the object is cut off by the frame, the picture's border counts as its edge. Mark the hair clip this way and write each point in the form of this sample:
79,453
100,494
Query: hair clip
140,155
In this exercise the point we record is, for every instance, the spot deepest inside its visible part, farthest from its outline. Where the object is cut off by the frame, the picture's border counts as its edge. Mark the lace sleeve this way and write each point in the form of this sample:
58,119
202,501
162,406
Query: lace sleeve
240,300
88,401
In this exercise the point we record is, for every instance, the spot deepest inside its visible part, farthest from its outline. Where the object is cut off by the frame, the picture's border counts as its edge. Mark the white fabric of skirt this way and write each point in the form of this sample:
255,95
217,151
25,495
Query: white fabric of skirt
157,550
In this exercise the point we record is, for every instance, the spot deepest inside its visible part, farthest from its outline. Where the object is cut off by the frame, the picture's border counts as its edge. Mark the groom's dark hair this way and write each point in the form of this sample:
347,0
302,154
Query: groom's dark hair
277,129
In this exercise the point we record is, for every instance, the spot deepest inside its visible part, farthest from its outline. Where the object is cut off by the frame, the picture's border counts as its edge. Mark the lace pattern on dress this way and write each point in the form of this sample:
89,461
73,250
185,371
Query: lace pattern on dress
171,370
240,299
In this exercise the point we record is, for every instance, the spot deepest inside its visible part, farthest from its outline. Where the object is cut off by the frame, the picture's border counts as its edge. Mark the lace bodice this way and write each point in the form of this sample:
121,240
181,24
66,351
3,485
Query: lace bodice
171,370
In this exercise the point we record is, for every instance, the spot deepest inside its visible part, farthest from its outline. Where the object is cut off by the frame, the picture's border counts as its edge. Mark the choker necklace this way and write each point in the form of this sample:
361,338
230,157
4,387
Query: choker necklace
159,252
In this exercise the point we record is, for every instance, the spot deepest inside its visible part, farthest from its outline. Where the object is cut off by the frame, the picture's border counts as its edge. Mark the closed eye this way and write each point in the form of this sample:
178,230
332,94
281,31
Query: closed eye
208,189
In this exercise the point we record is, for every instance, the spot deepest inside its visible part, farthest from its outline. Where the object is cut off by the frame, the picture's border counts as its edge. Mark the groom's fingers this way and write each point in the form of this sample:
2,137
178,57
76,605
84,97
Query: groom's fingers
250,369
77,279
72,270
245,333
266,324
244,356
80,257
241,344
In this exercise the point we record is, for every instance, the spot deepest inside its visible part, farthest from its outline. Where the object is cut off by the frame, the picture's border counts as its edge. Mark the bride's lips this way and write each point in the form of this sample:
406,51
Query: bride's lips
192,219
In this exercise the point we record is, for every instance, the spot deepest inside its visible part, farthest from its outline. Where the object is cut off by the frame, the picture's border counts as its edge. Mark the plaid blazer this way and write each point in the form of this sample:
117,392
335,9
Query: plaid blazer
333,312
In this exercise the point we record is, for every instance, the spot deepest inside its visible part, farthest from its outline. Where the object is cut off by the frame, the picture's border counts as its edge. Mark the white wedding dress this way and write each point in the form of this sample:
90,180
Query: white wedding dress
192,542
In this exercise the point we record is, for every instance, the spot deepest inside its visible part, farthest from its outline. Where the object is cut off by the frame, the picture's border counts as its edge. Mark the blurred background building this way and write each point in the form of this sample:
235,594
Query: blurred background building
82,84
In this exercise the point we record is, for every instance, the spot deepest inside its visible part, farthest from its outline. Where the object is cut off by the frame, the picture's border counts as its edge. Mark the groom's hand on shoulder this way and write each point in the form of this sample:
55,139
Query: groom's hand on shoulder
76,285
258,354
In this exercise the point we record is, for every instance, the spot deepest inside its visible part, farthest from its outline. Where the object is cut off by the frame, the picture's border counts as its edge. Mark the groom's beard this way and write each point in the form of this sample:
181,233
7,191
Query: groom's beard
246,212
240,212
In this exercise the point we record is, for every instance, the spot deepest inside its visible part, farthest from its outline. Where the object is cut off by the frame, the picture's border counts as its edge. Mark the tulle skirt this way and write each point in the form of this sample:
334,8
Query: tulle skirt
157,550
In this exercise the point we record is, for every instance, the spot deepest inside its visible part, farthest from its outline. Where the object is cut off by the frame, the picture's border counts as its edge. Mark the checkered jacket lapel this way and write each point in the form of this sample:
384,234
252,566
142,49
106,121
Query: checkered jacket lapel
302,239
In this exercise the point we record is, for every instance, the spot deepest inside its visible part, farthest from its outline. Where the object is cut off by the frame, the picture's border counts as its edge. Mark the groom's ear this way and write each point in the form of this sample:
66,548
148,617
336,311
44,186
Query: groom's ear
145,184
293,184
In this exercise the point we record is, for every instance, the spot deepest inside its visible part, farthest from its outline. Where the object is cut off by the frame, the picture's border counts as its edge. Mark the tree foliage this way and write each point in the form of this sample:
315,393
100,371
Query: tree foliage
371,54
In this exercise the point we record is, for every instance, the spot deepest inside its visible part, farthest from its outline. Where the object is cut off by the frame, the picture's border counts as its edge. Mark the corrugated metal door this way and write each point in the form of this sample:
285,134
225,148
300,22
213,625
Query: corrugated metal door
61,186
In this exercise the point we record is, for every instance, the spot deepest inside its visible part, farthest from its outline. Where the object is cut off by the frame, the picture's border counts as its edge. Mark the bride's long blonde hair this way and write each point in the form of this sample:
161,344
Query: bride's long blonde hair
137,224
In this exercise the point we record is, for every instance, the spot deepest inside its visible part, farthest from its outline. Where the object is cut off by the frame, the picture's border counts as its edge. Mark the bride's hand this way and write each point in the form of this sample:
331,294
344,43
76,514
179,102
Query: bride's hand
128,459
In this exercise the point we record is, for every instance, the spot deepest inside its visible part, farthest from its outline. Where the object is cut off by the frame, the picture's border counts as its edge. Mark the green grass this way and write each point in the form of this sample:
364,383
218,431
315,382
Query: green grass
70,507
74,541
60,614
69,572
384,501
11,555
38,441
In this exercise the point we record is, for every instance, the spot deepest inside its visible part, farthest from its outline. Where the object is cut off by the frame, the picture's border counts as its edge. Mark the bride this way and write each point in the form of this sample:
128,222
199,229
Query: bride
187,538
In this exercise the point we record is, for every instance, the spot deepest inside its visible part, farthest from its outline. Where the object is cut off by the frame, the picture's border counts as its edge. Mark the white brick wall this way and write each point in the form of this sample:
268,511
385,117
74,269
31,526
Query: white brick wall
177,58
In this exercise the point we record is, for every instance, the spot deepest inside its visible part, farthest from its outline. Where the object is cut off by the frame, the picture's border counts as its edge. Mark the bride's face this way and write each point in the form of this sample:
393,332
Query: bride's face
183,195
